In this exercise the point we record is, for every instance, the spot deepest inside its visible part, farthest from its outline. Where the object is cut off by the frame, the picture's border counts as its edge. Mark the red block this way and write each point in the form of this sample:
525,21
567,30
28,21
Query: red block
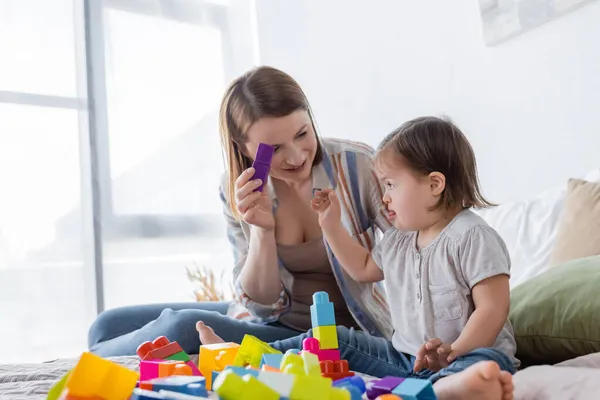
163,352
335,369
146,347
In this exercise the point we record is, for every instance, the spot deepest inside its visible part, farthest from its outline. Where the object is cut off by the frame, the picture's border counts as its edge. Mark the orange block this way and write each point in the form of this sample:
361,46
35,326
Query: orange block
388,396
94,376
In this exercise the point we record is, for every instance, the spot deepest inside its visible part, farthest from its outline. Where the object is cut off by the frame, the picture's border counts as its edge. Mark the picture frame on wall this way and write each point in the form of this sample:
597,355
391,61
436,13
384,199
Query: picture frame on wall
505,19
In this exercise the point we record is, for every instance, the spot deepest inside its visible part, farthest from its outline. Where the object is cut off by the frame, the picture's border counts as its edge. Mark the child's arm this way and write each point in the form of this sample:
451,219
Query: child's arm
353,257
492,304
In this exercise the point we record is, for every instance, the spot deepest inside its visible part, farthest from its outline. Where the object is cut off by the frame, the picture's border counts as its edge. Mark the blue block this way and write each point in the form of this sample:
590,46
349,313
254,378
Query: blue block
415,389
321,311
141,394
354,392
192,385
355,381
241,371
272,360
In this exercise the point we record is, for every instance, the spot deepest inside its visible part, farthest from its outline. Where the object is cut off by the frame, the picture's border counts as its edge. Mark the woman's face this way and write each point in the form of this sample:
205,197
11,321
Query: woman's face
294,140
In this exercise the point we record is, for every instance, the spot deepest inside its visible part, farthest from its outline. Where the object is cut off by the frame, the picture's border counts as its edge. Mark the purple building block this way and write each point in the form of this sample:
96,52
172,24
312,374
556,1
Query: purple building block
383,386
262,164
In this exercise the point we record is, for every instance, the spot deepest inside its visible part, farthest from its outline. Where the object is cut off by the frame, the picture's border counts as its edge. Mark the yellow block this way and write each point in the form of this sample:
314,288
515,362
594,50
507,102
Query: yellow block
215,357
327,336
310,387
230,386
251,351
95,376
311,364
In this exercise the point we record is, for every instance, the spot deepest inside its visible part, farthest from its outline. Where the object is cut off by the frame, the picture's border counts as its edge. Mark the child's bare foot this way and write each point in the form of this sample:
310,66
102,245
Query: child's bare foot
207,335
481,381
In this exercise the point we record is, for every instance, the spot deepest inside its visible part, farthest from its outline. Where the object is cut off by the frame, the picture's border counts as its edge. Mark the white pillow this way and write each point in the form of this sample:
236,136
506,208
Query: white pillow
529,228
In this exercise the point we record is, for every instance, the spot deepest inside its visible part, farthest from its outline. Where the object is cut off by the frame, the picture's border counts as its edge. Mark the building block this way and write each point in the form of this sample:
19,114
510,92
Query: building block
385,385
142,394
180,396
57,388
311,364
146,347
95,376
321,311
251,351
262,164
335,369
312,345
181,356
162,368
415,389
241,372
347,392
162,353
382,386
281,383
215,357
327,337
309,387
352,392
272,360
191,385
355,381
195,370
292,364
268,368
230,386
336,393
388,396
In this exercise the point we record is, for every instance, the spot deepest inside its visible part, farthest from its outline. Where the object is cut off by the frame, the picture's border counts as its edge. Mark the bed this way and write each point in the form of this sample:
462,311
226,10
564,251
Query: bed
541,306
574,379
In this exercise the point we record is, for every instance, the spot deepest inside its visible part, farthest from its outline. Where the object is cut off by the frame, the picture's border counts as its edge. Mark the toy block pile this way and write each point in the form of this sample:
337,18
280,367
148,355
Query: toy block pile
247,371
166,373
324,343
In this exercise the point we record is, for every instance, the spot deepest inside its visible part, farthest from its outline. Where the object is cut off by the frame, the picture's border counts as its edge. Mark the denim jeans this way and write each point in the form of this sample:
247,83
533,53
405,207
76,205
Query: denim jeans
377,357
118,332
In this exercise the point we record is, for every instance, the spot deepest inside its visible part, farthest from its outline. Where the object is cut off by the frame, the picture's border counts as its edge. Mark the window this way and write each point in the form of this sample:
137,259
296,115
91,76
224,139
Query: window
109,158
45,308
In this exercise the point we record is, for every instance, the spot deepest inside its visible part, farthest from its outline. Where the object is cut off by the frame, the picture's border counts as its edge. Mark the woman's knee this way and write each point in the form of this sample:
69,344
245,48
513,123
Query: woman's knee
110,324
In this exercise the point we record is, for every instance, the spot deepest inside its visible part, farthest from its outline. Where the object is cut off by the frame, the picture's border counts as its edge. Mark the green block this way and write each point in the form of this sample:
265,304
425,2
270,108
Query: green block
57,388
181,356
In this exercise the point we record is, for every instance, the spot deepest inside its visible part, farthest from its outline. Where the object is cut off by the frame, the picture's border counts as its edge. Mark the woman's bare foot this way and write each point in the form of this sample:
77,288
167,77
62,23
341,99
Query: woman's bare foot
481,381
207,335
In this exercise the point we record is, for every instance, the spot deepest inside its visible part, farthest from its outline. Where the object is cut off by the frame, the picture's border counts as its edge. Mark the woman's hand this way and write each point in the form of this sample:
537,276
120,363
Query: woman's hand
254,207
327,205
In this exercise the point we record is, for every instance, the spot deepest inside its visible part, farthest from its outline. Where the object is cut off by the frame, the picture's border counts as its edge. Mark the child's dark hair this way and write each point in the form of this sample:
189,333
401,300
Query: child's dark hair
431,144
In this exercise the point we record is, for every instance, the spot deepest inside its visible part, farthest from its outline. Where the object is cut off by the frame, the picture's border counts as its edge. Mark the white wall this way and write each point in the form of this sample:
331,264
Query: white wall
529,106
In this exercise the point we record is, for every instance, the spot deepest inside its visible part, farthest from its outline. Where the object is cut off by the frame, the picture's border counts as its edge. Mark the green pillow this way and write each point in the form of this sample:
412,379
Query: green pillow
556,315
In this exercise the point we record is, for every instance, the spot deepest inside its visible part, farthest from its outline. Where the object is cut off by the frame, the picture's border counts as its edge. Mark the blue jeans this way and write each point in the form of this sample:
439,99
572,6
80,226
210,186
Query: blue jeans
377,357
118,332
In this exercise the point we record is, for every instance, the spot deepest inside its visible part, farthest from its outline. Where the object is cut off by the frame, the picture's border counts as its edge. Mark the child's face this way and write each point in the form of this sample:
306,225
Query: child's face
409,196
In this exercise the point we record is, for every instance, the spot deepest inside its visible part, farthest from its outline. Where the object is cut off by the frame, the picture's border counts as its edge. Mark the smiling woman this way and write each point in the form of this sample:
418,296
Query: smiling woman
281,256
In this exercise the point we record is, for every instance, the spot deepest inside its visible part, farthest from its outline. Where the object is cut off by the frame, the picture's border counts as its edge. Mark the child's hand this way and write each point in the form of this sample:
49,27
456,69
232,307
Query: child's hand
434,355
327,205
